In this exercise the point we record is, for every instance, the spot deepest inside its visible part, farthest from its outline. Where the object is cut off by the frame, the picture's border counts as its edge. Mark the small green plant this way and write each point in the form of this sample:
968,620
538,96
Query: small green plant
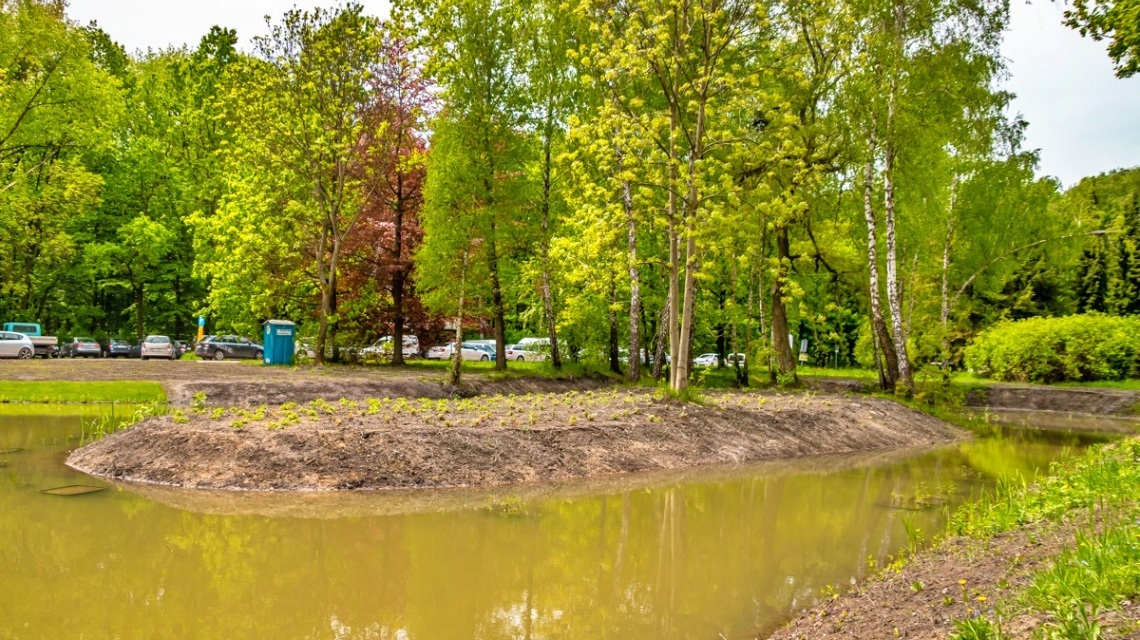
979,628
179,416
198,403
218,413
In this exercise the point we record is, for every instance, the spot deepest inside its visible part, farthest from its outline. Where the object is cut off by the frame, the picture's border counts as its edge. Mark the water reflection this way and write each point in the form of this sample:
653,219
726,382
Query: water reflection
727,552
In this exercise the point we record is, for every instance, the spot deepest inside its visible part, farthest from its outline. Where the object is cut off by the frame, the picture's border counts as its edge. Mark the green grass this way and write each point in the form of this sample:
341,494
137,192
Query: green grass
134,392
1097,492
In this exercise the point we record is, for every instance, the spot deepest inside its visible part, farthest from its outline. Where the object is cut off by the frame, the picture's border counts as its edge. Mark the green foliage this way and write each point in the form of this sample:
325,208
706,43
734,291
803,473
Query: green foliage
1096,493
1072,348
1118,21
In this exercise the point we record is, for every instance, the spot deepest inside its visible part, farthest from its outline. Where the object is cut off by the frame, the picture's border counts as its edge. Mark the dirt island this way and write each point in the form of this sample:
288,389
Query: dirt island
490,441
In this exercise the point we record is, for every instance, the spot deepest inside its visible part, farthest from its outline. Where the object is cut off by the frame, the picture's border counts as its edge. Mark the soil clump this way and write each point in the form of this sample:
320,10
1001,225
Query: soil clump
493,441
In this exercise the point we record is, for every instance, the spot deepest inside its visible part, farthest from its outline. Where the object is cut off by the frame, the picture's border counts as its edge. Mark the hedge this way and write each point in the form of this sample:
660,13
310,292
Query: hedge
1072,348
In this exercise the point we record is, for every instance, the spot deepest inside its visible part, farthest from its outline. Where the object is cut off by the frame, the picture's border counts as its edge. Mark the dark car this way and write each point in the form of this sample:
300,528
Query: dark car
116,348
81,348
182,346
135,350
222,347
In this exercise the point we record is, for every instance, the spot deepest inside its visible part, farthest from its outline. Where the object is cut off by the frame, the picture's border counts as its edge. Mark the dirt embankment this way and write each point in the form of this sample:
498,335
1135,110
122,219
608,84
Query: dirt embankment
494,440
1120,402
956,580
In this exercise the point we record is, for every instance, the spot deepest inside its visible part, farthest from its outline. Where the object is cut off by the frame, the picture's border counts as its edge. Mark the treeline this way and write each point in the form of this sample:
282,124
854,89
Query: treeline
823,181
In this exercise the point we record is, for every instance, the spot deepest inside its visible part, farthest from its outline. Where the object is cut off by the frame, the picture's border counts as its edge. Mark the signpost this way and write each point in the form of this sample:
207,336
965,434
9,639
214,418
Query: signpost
201,327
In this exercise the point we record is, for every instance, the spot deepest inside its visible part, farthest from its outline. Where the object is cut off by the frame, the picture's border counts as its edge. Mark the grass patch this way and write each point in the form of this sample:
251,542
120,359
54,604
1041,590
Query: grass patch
1096,491
65,392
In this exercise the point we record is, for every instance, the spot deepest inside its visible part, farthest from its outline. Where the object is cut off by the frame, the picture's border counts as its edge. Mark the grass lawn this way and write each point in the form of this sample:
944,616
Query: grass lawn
63,392
1097,492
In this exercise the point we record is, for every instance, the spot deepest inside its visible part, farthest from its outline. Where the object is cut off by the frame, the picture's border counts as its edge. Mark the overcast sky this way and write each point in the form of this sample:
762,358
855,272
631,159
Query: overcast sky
1081,117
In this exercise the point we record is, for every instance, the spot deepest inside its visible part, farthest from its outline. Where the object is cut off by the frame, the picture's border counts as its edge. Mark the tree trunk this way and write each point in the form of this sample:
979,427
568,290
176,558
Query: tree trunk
547,295
457,352
785,359
140,298
615,355
662,339
634,281
945,315
497,304
398,278
889,376
905,383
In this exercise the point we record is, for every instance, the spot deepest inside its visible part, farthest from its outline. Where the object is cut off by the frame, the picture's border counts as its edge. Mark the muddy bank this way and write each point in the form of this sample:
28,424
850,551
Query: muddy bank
954,581
493,440
353,504
1061,399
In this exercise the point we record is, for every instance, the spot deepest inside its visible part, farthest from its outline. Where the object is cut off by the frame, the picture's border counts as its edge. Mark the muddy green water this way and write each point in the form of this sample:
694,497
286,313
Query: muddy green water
711,554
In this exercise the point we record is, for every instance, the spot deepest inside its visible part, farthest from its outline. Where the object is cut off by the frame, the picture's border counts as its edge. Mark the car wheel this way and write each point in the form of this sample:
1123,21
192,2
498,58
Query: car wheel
485,358
519,359
219,355
25,354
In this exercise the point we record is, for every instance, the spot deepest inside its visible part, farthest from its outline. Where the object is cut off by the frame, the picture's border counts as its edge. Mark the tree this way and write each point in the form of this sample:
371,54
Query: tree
472,54
299,108
395,151
1115,20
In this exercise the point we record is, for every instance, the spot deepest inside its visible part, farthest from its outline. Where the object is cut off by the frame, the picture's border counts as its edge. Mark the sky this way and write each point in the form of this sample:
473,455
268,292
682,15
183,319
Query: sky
1083,120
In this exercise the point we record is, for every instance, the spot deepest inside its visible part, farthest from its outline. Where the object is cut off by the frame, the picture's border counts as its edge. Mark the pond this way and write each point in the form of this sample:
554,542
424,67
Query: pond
714,553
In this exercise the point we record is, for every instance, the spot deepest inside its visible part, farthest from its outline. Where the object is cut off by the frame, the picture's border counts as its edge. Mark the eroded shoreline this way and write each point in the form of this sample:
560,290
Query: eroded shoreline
493,441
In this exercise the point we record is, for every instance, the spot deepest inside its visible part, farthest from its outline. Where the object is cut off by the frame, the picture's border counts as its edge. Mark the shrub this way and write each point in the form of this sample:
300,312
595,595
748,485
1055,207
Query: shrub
1073,348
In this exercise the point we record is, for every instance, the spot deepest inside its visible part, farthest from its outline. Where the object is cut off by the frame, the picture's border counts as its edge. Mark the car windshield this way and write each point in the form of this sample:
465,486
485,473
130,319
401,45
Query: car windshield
84,340
119,343
158,340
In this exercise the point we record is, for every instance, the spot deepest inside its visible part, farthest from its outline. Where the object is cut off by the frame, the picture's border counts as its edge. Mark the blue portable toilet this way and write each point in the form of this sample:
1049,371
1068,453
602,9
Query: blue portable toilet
278,341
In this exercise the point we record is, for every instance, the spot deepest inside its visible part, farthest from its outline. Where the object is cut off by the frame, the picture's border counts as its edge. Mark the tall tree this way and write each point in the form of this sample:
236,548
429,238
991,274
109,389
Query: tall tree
300,110
472,54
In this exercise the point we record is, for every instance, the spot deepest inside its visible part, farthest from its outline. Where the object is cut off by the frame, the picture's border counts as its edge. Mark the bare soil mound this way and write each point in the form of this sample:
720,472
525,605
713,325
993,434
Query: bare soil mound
493,440
1052,398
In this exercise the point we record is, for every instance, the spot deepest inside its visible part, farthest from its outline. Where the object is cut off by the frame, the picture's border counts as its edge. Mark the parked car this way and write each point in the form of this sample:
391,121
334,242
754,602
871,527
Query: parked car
520,353
305,350
116,348
182,346
711,359
158,347
382,348
16,345
441,352
479,350
81,348
43,346
222,347
705,360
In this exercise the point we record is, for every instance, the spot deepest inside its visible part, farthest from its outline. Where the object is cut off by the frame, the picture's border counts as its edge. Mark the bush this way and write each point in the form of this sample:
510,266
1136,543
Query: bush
1073,348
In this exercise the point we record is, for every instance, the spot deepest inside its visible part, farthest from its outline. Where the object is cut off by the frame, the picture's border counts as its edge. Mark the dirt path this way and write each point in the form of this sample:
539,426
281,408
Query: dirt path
492,441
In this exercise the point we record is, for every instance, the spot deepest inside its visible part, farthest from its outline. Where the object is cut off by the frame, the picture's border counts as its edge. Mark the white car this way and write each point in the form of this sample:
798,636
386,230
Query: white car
158,347
382,348
441,352
710,359
16,345
520,353
472,350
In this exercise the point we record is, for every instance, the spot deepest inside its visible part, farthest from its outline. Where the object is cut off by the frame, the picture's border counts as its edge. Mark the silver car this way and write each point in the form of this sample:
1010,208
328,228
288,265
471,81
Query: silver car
16,345
158,347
